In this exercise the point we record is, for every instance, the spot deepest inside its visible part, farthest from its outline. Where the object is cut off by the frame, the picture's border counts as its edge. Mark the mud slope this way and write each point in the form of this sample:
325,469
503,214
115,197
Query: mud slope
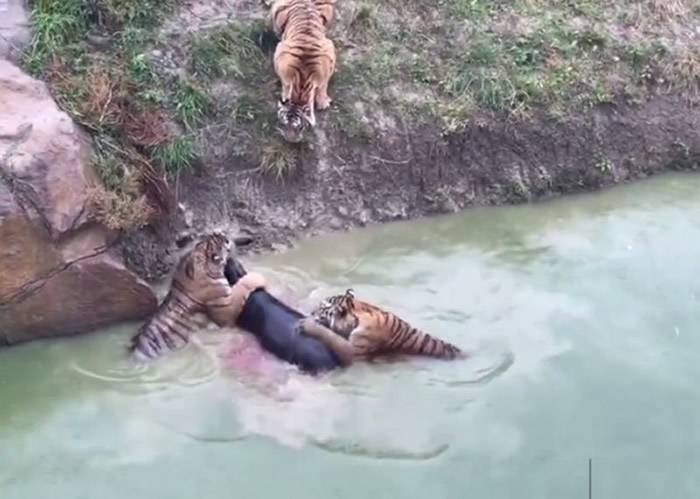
410,171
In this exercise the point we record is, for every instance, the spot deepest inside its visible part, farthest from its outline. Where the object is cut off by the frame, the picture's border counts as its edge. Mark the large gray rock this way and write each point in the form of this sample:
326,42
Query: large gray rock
14,28
44,155
57,275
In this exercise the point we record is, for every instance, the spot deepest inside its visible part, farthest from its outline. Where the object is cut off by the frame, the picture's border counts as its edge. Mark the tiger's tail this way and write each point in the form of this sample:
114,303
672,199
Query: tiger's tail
409,340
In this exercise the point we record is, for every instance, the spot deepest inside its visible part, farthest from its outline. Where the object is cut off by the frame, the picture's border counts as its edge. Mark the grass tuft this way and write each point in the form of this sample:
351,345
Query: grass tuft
119,211
683,71
279,159
176,156
667,9
192,105
229,51
57,27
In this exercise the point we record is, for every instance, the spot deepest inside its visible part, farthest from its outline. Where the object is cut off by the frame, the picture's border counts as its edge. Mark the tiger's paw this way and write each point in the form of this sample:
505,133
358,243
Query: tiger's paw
253,281
307,326
322,104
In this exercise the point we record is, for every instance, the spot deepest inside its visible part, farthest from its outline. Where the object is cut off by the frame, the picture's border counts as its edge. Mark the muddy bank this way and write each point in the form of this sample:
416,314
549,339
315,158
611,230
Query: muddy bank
437,106
407,170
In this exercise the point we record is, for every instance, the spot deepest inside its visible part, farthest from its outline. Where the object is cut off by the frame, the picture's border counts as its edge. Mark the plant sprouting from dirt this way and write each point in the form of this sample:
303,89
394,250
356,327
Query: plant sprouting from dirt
176,156
279,159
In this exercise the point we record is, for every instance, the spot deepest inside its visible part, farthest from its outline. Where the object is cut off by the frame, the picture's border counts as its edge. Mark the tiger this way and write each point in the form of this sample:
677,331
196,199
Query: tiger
356,330
304,61
199,286
281,10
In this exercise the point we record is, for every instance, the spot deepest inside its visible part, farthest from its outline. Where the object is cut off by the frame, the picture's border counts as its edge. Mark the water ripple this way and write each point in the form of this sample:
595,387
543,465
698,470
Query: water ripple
190,367
357,450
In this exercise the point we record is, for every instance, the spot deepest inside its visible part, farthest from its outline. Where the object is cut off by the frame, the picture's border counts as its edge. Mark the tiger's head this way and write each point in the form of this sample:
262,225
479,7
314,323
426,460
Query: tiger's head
293,120
337,313
208,258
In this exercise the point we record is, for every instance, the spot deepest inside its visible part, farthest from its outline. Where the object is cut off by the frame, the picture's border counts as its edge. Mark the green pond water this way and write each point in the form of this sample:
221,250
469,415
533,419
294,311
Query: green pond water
582,315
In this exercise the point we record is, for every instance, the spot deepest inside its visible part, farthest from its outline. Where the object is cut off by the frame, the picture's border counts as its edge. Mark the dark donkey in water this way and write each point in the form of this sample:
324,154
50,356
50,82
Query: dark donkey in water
279,328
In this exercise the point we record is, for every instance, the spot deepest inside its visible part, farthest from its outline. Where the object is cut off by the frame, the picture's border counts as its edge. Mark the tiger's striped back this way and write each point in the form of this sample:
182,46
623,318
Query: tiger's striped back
301,13
198,280
373,331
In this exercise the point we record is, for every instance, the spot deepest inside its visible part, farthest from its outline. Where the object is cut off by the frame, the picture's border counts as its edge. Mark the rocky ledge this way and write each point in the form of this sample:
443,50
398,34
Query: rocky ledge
59,275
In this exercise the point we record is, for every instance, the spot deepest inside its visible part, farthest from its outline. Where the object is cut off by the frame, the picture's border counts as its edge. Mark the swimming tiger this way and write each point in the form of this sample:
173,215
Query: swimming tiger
198,287
304,61
361,330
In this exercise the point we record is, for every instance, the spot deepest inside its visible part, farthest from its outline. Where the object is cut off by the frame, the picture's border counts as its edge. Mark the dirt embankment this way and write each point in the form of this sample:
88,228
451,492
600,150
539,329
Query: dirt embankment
408,171
437,106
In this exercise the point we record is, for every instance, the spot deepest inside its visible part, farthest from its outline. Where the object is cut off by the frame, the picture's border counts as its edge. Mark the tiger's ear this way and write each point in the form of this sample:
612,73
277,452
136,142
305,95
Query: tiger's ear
349,293
308,113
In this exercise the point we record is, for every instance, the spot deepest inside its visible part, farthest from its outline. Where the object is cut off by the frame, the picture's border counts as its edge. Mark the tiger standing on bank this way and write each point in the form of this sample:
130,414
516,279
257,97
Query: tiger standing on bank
199,286
358,330
304,61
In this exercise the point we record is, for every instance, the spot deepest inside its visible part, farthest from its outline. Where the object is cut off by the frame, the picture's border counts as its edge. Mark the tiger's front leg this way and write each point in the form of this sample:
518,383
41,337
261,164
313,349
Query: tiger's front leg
283,63
225,309
341,347
323,101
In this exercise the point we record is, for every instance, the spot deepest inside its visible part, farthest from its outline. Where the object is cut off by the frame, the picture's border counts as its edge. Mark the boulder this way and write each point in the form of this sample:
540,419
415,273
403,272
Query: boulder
57,274
45,157
14,28
73,298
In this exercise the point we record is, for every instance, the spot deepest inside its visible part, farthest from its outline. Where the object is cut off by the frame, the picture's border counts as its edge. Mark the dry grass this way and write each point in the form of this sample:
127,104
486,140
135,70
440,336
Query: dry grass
147,127
279,159
105,102
119,210
110,92
667,9
683,72
125,170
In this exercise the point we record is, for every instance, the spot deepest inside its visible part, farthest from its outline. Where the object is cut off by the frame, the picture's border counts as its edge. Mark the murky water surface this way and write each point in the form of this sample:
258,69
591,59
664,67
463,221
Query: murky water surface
582,314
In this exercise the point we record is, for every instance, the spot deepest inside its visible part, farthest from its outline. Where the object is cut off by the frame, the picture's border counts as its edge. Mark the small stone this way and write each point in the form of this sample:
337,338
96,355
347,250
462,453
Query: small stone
242,241
189,218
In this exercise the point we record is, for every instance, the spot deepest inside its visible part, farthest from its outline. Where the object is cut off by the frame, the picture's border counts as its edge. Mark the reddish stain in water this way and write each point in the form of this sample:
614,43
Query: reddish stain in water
246,357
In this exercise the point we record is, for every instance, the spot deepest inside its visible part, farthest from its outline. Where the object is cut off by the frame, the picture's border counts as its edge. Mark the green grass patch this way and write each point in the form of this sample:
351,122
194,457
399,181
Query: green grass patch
58,27
513,57
192,105
349,123
474,9
230,51
176,156
248,109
